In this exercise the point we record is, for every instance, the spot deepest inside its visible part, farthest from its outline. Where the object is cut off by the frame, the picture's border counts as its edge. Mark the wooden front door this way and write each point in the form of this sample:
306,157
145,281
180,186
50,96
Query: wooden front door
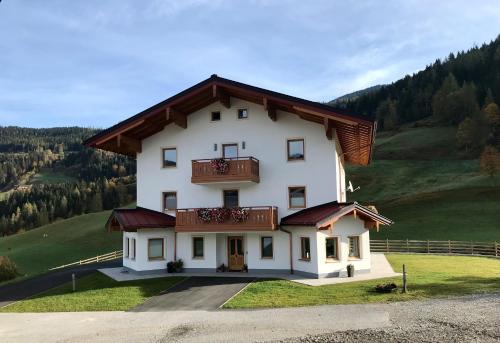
236,254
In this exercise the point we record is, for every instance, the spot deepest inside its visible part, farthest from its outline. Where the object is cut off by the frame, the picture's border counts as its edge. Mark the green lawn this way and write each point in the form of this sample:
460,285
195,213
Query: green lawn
62,242
47,175
432,191
428,276
423,143
470,214
95,292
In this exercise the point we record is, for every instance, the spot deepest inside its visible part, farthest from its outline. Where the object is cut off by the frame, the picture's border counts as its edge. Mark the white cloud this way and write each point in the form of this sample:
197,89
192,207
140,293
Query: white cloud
94,63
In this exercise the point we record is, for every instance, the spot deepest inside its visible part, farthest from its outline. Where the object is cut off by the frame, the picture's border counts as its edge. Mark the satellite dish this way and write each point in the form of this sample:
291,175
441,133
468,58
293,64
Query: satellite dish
351,188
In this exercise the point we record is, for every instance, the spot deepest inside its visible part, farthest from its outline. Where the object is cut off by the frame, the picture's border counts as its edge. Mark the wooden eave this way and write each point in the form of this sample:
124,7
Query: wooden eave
356,134
372,220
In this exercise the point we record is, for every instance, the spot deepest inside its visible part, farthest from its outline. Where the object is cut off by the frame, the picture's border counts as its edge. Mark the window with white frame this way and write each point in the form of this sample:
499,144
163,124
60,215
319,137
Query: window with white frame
127,247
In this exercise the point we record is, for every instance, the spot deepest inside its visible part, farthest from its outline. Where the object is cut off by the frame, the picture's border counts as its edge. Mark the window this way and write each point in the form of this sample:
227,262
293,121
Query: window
242,113
156,246
332,246
127,248
354,247
169,157
305,248
295,149
132,250
266,247
197,247
229,150
215,116
169,201
231,198
296,197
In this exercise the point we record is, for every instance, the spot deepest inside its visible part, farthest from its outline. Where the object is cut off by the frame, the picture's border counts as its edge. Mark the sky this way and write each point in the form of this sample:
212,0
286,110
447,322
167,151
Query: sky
94,63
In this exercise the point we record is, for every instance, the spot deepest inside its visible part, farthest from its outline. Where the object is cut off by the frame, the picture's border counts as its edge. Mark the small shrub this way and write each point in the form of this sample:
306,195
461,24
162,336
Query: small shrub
8,269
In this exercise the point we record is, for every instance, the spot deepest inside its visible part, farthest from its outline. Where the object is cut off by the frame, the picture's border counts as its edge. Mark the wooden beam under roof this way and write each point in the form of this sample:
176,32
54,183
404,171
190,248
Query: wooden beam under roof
124,129
129,142
328,128
177,117
221,95
270,108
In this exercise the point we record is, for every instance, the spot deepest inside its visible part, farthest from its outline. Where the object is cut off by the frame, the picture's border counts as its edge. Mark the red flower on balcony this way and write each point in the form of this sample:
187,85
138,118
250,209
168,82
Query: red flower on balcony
220,214
239,214
220,165
204,214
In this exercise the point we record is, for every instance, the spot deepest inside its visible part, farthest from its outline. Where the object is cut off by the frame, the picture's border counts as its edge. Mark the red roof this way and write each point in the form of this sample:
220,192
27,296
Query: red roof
137,218
313,215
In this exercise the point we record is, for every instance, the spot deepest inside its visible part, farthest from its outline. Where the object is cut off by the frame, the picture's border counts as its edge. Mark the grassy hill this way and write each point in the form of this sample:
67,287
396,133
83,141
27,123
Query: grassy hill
59,243
431,190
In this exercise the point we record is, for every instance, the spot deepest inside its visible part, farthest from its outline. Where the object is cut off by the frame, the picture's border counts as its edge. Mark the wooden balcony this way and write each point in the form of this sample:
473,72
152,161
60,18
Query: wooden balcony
240,169
263,218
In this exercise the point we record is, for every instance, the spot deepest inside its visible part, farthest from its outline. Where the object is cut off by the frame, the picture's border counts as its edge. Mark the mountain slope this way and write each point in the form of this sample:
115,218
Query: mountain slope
419,180
59,243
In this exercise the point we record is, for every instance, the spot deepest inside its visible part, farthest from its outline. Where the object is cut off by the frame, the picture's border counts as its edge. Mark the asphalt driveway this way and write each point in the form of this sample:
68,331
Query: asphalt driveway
195,293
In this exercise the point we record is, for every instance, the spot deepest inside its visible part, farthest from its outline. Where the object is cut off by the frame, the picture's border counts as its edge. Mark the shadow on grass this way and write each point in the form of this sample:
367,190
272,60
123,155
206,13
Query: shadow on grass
98,283
457,285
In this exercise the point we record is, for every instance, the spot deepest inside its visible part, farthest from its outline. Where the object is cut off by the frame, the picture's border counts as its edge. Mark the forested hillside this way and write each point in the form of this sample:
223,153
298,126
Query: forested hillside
436,162
46,174
448,89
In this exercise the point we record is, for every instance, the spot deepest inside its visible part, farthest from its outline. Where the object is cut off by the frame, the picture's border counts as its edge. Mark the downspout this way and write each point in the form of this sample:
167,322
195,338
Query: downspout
175,245
291,247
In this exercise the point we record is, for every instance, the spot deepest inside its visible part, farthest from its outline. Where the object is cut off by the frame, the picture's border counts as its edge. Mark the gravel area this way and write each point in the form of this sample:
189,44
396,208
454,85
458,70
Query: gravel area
465,319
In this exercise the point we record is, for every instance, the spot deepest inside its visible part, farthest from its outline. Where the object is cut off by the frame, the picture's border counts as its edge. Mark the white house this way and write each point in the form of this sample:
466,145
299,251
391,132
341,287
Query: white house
235,175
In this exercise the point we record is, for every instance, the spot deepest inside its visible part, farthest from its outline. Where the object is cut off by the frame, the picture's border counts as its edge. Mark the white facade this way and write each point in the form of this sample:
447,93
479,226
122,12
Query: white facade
216,250
264,139
321,173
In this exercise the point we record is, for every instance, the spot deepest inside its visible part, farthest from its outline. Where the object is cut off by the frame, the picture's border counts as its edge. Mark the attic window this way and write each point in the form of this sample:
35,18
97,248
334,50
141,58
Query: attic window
242,113
215,116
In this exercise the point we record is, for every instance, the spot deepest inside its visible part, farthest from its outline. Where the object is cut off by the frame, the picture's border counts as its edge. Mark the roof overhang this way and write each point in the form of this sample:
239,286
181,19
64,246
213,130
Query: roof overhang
133,219
355,133
324,216
371,218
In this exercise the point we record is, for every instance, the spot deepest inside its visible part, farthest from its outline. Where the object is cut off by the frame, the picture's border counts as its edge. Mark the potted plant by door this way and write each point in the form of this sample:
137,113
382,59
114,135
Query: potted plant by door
350,270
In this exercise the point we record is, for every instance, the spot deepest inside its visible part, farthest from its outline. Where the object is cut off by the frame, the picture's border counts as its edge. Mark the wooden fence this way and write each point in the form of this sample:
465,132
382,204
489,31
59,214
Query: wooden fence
436,247
114,255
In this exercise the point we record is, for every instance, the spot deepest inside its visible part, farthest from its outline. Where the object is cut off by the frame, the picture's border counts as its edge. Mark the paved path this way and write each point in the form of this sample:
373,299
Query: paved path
185,326
195,293
461,319
19,290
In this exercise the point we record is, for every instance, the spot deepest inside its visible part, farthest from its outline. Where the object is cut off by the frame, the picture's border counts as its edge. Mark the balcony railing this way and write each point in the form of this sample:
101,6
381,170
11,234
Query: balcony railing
263,218
239,169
